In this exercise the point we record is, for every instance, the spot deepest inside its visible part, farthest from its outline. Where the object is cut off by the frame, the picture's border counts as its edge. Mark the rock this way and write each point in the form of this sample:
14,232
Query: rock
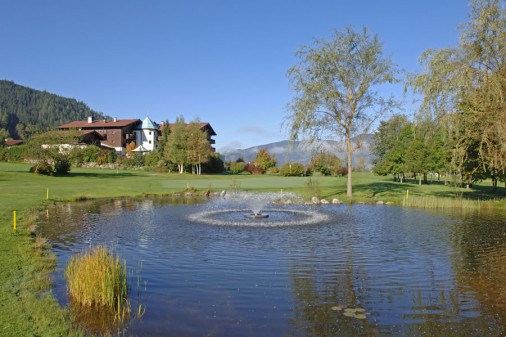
223,193
389,203
380,203
336,201
288,202
315,200
324,201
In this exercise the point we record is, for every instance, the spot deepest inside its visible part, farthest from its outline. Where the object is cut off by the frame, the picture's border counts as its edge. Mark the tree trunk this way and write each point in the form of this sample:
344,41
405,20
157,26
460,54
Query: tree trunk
349,192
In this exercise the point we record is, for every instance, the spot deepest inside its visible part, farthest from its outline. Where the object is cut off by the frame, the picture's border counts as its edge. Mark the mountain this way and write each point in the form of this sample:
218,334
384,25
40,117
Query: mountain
301,152
25,111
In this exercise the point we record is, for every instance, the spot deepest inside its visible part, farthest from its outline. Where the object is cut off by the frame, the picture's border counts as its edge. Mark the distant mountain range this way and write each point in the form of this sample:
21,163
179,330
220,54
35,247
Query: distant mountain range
301,152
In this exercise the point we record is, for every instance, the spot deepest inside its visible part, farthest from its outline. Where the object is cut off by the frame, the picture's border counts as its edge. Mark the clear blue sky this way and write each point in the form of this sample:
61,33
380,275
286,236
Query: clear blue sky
224,62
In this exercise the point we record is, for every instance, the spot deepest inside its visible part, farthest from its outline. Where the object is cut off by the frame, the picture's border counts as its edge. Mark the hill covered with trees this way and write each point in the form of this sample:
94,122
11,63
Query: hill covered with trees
25,111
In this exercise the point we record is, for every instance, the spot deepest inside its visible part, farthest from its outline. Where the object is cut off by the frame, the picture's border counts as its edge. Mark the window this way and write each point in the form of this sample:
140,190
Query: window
150,133
149,142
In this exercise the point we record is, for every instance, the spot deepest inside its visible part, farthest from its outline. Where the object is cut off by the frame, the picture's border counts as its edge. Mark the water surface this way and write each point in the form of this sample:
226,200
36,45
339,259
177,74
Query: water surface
415,273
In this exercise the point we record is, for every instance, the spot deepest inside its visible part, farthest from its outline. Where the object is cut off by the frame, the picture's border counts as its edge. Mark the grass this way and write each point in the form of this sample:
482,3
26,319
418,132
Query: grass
27,307
98,278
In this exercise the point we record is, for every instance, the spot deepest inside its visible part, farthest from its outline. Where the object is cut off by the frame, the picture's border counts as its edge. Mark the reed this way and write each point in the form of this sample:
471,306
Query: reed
98,278
431,202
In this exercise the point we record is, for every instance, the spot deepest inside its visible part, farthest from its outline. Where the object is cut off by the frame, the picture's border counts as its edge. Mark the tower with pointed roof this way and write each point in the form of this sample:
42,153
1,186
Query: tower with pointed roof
146,136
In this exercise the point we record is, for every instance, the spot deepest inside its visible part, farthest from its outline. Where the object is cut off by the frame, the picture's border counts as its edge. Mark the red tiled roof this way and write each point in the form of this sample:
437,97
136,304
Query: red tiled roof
99,124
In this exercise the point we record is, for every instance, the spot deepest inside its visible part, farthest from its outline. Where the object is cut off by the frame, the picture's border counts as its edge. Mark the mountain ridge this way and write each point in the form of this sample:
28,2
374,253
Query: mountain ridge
25,111
301,152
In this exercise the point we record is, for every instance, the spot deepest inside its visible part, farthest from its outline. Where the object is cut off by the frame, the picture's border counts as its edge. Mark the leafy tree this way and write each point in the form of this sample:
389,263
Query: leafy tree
468,83
326,163
130,147
198,148
335,85
214,164
264,160
176,147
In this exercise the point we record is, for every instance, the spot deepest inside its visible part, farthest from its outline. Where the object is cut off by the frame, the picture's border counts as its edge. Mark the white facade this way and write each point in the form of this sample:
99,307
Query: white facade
146,137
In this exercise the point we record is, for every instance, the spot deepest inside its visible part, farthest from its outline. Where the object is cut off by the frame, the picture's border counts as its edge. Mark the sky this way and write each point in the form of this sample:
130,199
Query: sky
222,61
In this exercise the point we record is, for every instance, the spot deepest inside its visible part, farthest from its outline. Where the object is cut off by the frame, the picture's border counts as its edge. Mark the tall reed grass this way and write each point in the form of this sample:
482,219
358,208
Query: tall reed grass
98,278
435,202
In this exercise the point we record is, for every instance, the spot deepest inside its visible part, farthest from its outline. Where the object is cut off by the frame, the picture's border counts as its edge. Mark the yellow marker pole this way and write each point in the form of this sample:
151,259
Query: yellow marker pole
14,220
47,193
407,194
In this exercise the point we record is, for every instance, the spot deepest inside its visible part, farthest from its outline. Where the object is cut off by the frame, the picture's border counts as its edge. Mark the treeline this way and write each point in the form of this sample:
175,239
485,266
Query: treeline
460,129
25,111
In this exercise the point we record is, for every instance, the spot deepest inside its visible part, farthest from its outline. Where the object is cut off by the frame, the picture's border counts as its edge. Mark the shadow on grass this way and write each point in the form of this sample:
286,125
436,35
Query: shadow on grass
107,175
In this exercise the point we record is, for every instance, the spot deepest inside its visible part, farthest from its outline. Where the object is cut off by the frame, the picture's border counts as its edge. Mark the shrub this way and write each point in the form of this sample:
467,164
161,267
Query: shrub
42,167
253,168
292,170
237,167
61,164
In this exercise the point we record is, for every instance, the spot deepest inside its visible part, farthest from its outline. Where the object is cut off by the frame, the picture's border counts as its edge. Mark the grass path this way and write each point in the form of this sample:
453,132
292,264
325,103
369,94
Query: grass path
27,307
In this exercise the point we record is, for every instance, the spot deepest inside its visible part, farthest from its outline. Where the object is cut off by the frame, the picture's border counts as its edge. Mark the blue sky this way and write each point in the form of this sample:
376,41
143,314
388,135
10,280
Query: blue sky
224,62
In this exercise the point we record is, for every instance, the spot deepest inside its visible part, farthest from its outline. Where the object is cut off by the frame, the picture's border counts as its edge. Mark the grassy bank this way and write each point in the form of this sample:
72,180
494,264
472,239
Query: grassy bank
27,307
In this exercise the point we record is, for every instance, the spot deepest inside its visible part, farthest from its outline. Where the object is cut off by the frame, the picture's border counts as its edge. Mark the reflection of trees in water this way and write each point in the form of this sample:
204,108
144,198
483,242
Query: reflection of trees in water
481,242
317,291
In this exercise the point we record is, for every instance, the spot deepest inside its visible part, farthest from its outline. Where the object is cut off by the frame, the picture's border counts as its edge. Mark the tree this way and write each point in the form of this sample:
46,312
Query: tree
264,160
198,148
176,147
326,163
335,86
468,82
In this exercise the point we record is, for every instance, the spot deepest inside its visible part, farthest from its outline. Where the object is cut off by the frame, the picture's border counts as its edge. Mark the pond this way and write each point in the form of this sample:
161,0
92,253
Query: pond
363,270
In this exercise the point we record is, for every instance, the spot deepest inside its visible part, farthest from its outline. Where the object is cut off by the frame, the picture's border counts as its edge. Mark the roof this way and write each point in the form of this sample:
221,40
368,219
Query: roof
119,123
140,148
204,126
148,124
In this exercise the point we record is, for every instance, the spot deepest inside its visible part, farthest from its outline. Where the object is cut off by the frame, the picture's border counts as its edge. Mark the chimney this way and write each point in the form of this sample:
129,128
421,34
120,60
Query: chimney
90,119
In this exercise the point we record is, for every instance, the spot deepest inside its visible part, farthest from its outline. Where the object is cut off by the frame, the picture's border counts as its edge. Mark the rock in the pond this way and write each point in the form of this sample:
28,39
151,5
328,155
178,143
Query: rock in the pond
315,200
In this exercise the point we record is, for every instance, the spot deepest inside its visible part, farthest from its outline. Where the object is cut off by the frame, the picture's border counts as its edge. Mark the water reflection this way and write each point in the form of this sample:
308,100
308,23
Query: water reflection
415,273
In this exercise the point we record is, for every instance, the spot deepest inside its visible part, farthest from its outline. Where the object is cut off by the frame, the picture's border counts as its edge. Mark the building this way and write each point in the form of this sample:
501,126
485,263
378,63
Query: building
117,133
146,136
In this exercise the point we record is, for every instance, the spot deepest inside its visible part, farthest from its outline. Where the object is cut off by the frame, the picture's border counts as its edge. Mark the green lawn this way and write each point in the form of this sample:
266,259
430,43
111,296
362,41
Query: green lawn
27,307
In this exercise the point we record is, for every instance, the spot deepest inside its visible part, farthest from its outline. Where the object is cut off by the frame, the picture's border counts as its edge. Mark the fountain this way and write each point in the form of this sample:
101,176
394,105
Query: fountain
258,209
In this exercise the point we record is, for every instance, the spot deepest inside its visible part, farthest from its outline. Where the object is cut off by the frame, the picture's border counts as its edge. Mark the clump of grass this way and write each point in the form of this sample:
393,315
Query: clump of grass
98,278
432,202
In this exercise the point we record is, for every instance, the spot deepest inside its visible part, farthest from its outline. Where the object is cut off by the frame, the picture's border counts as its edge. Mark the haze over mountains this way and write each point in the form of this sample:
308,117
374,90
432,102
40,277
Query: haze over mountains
301,152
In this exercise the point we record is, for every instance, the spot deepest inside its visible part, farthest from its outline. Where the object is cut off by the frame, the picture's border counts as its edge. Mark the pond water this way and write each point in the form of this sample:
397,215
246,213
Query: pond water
202,269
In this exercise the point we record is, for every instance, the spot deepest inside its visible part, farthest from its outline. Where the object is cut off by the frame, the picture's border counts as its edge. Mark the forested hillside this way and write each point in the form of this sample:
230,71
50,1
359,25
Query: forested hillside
25,111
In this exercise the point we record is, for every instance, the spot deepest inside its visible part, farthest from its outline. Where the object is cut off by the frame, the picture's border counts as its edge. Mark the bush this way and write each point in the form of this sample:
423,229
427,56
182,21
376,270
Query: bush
152,158
293,170
61,164
237,167
253,168
42,167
